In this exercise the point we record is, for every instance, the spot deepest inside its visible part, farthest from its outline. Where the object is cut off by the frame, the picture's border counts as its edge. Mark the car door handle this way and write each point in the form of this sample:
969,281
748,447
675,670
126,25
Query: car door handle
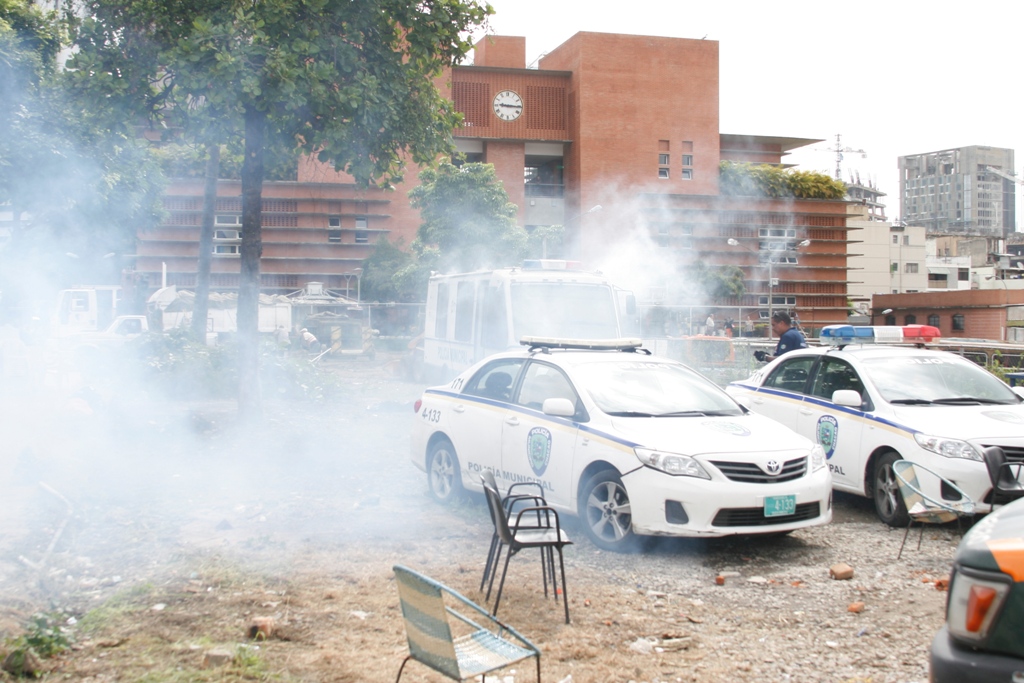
757,399
459,408
513,420
805,411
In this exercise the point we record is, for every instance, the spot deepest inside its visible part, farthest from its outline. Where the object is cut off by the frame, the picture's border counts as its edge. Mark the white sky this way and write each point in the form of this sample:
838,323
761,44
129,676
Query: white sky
893,78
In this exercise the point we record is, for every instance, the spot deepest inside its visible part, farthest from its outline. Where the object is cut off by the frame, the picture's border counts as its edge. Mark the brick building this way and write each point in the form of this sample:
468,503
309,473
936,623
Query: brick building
626,123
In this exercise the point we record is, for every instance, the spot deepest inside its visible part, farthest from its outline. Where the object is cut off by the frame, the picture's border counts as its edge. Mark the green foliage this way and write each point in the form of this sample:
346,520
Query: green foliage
44,637
179,160
545,241
177,365
468,218
718,282
380,280
764,180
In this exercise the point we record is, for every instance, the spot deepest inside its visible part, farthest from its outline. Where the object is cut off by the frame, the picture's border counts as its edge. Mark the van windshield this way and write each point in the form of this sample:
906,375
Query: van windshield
563,309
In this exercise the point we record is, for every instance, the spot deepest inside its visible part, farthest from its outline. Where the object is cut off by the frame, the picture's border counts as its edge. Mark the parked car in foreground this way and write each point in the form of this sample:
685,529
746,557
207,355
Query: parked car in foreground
981,640
634,444
869,403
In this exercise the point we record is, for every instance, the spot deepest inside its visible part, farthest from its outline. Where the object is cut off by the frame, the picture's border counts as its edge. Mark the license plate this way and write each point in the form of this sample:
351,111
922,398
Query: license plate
778,506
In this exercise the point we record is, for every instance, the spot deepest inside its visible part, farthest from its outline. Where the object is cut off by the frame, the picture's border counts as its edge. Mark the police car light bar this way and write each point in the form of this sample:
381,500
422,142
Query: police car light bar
588,344
841,335
550,264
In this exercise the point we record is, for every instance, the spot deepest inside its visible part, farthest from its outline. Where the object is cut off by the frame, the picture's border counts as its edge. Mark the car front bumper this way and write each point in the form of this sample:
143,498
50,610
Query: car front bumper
953,663
665,505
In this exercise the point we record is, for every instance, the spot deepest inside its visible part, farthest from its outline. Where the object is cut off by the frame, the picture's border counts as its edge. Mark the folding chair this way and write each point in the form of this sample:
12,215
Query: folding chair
510,503
922,508
519,536
426,606
1004,474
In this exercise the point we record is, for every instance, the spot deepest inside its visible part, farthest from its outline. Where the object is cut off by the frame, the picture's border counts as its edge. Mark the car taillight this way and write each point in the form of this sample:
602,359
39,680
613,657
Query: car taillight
974,602
416,406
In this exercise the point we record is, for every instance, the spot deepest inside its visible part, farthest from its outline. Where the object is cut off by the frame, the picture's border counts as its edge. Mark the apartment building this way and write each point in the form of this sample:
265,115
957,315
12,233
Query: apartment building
615,137
963,191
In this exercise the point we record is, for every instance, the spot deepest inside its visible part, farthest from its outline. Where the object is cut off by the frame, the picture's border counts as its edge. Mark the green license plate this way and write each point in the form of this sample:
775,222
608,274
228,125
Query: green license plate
779,506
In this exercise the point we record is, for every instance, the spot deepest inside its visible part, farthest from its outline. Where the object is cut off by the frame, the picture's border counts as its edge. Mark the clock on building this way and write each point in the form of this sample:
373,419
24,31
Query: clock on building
508,105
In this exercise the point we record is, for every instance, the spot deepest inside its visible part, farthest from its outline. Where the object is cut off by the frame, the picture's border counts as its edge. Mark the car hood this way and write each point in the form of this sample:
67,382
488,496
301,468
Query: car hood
725,434
965,422
996,543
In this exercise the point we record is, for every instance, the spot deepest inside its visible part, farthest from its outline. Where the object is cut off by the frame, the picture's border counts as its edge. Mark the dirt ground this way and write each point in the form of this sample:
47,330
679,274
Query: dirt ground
161,532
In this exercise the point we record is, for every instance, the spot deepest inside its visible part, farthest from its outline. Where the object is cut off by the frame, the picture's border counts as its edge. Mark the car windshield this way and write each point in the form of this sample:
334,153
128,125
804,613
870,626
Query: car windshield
652,389
943,379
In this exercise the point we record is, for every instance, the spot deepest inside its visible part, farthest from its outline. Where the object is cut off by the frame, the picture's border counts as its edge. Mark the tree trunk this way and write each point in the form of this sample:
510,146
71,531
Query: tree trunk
202,302
249,395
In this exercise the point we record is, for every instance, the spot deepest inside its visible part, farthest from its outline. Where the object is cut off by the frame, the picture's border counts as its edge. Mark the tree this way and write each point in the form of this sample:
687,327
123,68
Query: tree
352,82
85,189
467,218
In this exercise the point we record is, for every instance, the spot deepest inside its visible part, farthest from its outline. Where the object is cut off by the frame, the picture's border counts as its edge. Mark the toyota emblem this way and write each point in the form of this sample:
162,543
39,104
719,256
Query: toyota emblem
773,467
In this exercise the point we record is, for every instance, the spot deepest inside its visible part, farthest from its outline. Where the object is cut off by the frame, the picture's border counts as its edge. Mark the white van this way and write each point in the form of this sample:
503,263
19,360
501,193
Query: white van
470,316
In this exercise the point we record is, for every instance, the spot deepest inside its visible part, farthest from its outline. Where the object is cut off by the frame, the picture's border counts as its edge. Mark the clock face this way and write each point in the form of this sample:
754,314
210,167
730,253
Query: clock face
508,105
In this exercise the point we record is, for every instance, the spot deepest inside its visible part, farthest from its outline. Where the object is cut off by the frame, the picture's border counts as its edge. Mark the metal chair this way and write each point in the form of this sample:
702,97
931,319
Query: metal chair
1004,474
922,508
517,536
426,606
510,503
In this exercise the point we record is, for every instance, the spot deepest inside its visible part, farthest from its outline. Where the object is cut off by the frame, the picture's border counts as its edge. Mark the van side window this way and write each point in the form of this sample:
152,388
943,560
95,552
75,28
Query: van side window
465,300
494,319
441,321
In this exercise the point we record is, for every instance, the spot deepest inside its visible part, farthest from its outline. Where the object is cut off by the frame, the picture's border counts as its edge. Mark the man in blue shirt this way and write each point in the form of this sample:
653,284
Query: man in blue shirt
789,337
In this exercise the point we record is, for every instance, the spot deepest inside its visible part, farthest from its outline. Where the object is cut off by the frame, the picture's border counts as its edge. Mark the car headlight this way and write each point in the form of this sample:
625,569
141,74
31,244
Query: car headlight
948,448
672,463
817,457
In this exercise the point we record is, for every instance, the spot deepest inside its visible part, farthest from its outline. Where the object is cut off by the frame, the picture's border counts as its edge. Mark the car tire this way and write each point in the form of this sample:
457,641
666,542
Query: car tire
886,493
604,510
443,475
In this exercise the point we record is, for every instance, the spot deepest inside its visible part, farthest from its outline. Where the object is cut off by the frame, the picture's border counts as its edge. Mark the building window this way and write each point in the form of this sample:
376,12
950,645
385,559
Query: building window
910,319
334,235
334,221
963,274
906,240
687,160
663,173
910,267
227,220
894,267
362,237
895,239
890,320
687,174
226,235
662,160
958,322
933,320
225,250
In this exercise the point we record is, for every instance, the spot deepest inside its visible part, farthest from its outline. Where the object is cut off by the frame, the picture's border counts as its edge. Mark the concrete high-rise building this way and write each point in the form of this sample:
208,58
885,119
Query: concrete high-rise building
965,190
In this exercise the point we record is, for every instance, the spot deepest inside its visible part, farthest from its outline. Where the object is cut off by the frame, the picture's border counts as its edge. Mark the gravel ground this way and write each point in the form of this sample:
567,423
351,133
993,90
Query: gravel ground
323,499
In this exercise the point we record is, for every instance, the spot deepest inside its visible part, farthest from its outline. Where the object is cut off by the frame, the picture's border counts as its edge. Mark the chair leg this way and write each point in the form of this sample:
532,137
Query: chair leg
904,540
410,657
494,570
919,537
565,591
501,584
490,559
538,667
544,569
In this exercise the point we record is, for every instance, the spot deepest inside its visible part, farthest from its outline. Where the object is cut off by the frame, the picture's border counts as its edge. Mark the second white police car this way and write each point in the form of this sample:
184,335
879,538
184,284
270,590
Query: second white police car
869,401
633,444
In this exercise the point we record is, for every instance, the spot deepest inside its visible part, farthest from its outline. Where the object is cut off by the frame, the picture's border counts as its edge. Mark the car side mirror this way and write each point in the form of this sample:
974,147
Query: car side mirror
847,397
560,407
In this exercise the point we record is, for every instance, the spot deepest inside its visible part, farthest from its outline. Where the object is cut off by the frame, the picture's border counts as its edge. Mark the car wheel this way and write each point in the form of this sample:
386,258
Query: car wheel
886,491
443,472
606,514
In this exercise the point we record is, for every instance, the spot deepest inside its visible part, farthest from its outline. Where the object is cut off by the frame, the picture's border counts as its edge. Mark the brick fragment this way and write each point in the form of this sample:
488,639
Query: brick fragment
212,658
856,607
841,571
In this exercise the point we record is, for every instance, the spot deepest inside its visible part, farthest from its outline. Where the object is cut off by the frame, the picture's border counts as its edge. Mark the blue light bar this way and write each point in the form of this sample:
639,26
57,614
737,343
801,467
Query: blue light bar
550,264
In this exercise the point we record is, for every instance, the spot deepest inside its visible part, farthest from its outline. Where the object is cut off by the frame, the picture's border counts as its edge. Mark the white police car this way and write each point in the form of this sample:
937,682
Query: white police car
868,404
631,443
